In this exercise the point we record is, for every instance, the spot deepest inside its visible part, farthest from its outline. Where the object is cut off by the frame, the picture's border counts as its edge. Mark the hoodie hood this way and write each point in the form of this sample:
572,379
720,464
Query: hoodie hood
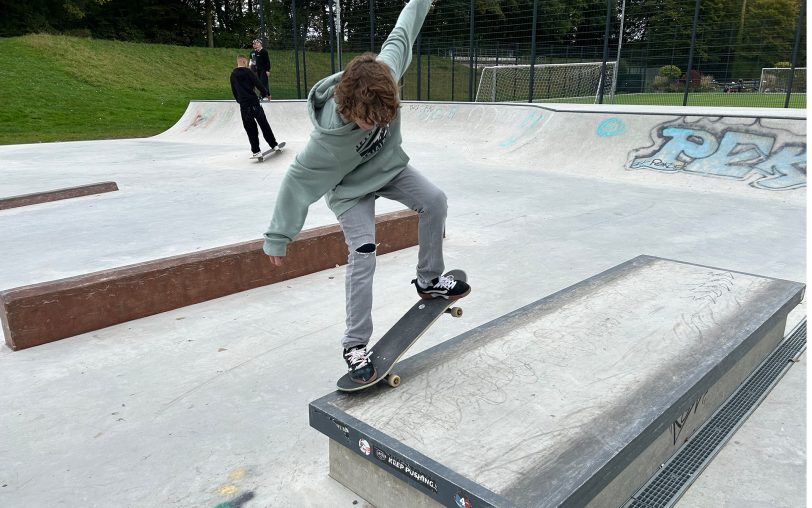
321,107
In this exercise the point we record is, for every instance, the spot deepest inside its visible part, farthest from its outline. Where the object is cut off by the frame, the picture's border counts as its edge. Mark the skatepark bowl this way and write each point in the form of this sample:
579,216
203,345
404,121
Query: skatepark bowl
635,334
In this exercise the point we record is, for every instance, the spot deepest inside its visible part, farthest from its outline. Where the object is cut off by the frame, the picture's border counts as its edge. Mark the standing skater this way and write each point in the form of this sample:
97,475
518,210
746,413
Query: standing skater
261,62
243,82
353,155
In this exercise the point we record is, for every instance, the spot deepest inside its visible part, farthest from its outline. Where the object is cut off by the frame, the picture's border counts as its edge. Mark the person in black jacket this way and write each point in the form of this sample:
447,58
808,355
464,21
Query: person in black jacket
243,82
261,62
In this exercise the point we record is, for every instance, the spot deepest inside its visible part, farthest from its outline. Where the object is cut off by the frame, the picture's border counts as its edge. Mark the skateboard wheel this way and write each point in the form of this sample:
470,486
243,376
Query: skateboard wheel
455,311
393,380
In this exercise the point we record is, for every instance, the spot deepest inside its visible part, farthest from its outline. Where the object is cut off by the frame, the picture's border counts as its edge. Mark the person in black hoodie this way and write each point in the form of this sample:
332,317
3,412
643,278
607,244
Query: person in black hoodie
243,82
261,62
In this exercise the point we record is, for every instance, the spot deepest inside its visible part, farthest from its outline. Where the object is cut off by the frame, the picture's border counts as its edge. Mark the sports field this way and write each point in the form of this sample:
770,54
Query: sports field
741,100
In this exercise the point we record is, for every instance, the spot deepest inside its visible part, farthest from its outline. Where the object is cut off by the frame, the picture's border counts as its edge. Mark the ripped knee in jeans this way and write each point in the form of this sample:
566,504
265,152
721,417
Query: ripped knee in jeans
367,248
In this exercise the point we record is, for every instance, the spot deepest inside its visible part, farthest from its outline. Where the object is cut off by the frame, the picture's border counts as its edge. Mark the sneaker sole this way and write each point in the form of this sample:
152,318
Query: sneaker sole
430,296
368,381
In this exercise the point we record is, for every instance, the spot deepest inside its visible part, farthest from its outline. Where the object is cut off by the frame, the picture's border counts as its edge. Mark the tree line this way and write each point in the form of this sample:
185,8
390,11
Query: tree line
729,32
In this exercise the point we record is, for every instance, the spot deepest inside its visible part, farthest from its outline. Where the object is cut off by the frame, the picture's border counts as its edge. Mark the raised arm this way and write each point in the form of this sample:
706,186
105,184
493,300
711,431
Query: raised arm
396,51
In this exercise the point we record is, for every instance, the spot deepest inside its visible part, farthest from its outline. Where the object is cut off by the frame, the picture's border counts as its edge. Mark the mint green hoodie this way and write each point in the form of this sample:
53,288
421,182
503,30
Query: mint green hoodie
341,161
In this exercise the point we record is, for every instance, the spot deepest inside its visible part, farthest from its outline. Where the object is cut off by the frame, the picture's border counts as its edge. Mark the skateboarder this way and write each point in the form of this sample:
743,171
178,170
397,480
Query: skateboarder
353,155
243,82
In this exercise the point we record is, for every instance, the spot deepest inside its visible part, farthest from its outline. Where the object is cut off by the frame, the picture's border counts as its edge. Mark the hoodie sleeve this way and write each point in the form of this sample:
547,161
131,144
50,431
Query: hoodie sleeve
234,86
311,175
258,85
396,51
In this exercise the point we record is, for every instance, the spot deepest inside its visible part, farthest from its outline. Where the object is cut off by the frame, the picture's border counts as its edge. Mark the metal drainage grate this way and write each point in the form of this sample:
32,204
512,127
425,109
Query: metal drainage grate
668,485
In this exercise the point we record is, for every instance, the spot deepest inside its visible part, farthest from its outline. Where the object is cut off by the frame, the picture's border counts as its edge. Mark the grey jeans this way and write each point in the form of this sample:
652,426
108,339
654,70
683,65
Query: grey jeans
358,224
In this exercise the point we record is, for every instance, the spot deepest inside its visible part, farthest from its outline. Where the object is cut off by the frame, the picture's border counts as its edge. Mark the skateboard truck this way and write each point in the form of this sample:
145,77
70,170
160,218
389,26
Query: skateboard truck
261,157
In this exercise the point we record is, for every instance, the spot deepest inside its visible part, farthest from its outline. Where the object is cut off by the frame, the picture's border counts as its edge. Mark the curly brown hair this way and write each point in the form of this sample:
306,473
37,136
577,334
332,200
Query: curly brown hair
367,91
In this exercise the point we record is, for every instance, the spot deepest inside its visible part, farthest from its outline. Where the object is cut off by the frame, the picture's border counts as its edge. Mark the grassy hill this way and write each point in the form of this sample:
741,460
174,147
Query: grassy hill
59,88
66,88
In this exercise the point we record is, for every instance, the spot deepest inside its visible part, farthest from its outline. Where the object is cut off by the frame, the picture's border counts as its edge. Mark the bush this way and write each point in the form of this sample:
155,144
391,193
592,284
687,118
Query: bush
670,71
706,84
783,65
666,79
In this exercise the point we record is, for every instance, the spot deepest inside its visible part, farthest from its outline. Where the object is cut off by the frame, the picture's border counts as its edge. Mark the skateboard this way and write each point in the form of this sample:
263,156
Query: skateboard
261,157
394,343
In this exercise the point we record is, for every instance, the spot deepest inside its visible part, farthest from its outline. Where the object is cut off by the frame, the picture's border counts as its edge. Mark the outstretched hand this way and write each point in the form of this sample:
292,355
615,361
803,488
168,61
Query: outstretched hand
277,260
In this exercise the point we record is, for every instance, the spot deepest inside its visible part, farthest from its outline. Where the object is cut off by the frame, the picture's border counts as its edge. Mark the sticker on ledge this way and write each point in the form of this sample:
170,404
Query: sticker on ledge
462,500
406,469
363,445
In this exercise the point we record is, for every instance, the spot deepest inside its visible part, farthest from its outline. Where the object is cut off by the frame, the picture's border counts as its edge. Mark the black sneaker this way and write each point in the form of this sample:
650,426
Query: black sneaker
443,286
359,365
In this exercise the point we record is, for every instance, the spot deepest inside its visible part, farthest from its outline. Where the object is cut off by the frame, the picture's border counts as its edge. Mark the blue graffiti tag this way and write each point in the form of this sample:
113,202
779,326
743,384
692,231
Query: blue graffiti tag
611,127
531,120
786,167
776,157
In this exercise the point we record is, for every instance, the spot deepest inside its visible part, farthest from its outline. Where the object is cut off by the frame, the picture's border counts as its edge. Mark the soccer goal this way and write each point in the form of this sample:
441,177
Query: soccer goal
511,83
776,79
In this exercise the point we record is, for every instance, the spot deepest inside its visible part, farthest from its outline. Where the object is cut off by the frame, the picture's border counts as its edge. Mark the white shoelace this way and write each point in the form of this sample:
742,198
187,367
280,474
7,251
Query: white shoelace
445,282
358,357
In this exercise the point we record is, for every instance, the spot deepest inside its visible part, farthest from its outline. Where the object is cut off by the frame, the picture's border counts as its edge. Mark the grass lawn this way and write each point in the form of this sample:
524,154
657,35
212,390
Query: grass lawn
59,88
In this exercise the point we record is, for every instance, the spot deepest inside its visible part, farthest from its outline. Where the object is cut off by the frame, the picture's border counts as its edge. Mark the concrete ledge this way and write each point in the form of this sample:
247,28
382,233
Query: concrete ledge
56,195
574,400
41,313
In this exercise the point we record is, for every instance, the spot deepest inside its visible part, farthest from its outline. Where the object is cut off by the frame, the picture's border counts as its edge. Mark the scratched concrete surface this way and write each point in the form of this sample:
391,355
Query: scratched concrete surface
534,405
208,404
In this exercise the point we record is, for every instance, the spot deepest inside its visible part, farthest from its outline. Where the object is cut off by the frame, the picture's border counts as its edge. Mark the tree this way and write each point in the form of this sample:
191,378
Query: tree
43,15
768,36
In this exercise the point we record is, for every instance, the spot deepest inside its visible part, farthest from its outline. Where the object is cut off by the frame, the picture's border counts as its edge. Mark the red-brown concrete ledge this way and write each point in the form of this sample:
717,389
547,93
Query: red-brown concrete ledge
49,311
56,195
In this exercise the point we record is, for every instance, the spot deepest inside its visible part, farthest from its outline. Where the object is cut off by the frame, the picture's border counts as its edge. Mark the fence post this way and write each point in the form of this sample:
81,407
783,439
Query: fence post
428,73
532,83
691,54
619,46
332,35
493,84
372,25
471,54
497,53
295,47
602,81
795,51
419,66
304,60
262,34
339,34
453,65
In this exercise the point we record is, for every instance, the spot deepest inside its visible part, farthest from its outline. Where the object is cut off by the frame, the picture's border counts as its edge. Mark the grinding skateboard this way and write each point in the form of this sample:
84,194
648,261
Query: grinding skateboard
394,343
261,157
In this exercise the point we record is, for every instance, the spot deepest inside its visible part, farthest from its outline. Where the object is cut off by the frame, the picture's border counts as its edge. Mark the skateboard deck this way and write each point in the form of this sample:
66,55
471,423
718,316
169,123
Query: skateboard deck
387,351
261,157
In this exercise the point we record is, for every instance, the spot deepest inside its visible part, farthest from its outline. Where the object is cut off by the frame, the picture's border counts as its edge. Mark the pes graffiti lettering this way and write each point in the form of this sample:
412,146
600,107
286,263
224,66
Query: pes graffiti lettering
767,156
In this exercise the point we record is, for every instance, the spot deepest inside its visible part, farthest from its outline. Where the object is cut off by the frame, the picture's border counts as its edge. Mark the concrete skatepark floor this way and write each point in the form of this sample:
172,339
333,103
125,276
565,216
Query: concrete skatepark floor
207,404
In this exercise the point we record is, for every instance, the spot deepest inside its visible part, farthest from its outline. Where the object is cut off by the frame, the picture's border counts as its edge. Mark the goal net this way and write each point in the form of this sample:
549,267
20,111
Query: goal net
776,79
510,83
